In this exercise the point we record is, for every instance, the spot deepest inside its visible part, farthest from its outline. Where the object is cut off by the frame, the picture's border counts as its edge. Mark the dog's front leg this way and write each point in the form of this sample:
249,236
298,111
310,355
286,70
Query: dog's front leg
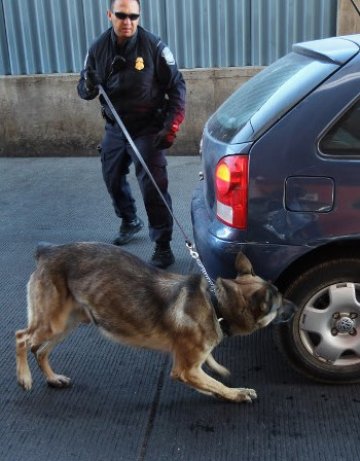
198,379
215,366
194,376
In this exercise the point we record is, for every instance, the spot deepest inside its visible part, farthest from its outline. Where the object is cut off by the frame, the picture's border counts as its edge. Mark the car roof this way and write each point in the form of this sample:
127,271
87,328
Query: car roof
335,49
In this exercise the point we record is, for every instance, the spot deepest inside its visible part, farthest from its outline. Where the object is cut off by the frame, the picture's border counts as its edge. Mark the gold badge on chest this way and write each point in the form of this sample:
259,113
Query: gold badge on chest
139,64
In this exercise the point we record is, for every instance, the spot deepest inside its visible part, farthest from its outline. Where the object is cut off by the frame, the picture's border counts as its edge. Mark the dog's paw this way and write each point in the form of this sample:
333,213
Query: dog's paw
59,381
246,395
23,375
237,395
25,383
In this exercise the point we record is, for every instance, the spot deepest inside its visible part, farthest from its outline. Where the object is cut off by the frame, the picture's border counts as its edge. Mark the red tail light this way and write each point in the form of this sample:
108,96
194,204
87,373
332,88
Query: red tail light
231,183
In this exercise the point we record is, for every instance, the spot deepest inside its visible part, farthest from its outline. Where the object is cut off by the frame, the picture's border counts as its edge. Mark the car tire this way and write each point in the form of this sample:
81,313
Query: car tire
322,341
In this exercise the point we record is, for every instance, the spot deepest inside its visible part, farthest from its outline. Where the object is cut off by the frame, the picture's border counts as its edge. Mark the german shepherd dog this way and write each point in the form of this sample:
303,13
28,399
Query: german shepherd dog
139,305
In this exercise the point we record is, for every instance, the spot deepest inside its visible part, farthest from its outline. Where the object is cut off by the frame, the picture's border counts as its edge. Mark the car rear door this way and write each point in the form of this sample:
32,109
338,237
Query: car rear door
297,192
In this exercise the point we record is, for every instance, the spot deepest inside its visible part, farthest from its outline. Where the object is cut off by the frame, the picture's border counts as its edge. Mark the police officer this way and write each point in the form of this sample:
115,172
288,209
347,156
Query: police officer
140,76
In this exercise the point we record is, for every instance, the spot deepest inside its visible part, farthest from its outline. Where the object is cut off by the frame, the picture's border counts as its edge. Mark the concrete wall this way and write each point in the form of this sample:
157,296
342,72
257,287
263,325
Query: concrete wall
42,115
348,21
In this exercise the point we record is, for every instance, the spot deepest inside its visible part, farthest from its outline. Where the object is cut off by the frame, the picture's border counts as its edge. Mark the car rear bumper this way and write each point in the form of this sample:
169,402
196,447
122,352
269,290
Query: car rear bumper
218,248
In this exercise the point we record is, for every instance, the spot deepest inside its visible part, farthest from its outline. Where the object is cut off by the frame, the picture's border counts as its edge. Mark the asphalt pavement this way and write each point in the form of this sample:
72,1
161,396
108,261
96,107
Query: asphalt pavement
123,406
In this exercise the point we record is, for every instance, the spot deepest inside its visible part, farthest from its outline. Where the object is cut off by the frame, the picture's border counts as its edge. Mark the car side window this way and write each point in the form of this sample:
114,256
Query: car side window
344,137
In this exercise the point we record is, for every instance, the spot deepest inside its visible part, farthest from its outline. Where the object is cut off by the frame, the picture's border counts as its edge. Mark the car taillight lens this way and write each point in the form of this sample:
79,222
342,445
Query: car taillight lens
231,183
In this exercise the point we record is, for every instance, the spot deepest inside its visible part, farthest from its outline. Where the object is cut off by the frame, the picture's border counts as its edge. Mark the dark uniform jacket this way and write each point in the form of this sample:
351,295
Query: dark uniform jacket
141,79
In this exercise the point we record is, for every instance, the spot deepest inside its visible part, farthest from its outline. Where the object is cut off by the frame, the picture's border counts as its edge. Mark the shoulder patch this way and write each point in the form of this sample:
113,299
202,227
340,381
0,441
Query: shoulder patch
168,56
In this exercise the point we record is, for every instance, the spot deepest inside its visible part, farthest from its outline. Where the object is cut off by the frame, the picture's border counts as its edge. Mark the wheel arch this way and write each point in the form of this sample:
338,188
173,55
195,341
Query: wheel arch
349,248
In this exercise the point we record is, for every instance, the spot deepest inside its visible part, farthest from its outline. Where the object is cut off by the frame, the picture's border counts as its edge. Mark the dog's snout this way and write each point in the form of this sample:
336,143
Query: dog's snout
285,312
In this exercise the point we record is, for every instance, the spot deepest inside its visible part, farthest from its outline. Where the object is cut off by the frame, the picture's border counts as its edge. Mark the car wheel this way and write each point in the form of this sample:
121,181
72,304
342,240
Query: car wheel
322,340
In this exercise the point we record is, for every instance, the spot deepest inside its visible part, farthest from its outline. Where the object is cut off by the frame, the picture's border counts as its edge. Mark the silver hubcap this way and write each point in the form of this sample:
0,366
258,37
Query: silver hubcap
344,325
329,325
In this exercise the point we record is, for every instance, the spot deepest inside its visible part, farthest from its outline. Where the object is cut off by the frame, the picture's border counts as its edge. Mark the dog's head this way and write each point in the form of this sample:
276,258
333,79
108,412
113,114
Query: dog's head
249,302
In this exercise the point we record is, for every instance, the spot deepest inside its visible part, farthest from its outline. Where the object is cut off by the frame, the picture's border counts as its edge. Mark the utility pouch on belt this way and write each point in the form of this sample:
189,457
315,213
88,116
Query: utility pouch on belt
107,115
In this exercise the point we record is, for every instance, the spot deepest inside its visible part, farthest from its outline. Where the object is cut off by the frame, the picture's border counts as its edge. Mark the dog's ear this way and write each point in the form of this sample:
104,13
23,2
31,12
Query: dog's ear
243,265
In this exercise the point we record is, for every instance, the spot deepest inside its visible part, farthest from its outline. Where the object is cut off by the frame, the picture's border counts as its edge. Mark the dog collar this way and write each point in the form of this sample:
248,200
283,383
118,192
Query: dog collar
224,324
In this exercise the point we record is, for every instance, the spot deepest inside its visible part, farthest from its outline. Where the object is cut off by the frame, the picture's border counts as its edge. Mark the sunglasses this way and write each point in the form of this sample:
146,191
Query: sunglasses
123,16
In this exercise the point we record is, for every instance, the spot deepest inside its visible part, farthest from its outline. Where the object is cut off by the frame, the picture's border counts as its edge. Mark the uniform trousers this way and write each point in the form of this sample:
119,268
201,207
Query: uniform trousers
116,157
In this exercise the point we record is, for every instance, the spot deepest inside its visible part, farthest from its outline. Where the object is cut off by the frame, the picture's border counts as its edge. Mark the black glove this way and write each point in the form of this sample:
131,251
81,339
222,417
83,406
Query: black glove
164,139
92,79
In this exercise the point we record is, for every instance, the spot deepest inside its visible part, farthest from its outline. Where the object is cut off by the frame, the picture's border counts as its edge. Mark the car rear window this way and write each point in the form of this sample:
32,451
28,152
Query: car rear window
267,96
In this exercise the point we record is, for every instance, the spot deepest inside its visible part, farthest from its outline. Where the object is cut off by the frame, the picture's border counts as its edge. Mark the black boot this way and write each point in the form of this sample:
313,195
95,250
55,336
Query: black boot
162,256
127,231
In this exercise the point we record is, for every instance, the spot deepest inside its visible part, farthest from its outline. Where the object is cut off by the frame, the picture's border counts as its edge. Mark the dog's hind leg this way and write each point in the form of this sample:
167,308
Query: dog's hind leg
41,341
42,353
42,357
22,366
50,317
43,350
22,341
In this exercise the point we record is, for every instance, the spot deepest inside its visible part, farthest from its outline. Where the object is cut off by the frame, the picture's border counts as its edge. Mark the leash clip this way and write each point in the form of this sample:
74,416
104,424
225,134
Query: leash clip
193,253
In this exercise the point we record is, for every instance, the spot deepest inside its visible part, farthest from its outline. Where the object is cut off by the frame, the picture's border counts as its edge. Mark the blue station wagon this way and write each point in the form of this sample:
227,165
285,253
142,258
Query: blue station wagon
281,183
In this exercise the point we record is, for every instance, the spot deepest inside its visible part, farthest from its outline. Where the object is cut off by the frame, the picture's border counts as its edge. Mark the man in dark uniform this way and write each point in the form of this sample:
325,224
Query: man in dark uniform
140,76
